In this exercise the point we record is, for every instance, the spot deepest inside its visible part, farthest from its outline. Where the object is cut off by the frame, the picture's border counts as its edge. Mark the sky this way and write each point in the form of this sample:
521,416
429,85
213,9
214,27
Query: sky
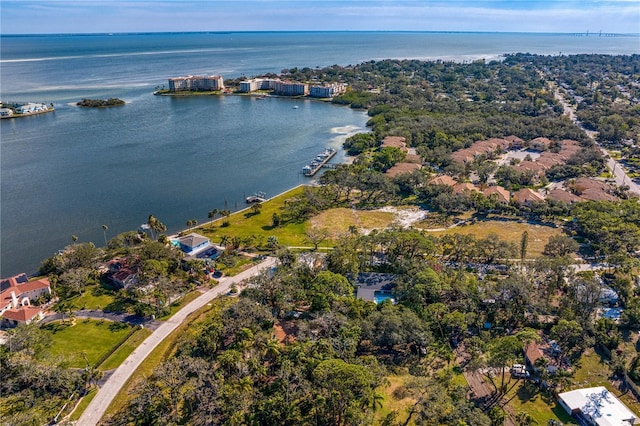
114,16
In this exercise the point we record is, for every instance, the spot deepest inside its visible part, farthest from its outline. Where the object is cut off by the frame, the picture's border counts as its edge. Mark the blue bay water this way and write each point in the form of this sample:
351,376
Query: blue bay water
69,172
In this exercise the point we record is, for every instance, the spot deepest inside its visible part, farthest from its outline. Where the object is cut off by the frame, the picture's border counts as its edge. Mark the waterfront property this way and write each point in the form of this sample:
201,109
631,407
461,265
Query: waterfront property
254,84
319,161
18,109
196,83
326,90
193,243
16,295
121,274
278,87
291,88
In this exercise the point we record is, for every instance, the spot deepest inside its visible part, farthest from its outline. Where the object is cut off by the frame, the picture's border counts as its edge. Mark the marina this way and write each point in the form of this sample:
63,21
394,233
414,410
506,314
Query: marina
318,162
258,197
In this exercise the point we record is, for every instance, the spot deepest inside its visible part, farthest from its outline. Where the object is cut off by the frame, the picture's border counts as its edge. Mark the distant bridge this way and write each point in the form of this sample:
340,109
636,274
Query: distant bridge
598,34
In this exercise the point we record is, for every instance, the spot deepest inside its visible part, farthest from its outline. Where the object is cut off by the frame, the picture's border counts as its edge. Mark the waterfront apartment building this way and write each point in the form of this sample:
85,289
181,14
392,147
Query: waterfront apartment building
291,88
327,90
196,83
252,85
279,87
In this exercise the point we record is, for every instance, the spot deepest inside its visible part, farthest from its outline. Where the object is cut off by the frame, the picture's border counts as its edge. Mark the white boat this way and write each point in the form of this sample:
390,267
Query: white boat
258,197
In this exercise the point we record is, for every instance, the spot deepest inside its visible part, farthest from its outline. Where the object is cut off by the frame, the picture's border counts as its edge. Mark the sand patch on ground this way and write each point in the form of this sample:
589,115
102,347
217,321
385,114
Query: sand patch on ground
405,216
337,221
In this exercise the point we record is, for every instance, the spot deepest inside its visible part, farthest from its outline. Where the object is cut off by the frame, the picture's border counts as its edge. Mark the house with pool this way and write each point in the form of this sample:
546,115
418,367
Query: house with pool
375,287
192,243
196,246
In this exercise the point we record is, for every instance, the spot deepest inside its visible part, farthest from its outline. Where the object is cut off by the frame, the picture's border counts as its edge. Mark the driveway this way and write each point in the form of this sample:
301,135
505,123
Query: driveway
116,381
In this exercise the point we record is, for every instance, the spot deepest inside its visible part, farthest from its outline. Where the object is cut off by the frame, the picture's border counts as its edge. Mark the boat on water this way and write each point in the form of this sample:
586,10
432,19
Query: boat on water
319,161
295,107
258,197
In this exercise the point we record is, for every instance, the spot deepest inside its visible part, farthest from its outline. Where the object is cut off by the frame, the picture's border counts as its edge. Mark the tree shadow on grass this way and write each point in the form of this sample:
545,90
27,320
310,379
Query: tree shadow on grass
55,327
117,326
121,305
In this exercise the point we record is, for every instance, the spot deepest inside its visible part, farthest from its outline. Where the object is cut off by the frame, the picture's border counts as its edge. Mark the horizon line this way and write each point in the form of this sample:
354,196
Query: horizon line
120,33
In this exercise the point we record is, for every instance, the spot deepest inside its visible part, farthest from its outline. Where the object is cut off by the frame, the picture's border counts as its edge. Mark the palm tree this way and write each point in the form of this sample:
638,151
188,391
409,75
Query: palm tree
104,231
155,225
212,215
255,208
74,238
224,240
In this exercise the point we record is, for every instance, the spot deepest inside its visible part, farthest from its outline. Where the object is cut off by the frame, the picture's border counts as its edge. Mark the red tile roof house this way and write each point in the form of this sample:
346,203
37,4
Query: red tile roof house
466,187
592,189
402,168
498,193
395,142
527,197
125,277
16,295
563,196
540,144
515,142
444,180
486,147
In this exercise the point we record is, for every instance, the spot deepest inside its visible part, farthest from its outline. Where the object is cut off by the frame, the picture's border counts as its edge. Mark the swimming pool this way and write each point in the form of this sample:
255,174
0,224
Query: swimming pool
381,296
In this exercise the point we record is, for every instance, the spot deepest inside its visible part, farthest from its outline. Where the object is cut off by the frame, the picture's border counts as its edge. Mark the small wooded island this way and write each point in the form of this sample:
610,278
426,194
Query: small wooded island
100,103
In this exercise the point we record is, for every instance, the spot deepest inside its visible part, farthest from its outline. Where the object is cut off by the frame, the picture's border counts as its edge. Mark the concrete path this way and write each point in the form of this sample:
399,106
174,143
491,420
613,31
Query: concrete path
106,393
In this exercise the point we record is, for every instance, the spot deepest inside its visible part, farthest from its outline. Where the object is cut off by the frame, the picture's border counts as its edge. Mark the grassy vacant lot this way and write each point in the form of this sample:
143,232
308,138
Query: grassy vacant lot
337,221
510,231
244,224
94,338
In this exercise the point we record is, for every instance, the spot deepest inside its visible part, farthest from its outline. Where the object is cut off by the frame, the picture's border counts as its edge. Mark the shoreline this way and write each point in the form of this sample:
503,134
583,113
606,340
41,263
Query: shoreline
3,117
211,222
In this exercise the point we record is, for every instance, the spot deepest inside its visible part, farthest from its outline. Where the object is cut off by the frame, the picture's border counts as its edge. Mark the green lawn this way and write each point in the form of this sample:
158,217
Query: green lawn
541,406
94,297
593,370
116,358
94,338
244,224
510,231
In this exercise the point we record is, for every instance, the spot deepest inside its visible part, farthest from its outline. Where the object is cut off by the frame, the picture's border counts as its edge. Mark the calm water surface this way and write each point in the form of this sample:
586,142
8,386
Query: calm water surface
69,172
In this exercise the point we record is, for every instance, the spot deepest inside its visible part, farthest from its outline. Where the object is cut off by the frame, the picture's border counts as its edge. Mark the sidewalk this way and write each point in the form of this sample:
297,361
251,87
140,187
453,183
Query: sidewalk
111,388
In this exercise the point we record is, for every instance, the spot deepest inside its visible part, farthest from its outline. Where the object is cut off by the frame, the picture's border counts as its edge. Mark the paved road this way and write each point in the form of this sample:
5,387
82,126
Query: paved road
105,395
620,176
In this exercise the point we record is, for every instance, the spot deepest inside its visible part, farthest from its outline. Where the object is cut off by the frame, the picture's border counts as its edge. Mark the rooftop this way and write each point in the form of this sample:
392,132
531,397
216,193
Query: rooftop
599,405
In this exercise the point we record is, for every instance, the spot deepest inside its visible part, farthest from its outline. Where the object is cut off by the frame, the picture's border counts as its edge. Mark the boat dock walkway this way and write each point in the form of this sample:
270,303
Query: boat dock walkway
320,161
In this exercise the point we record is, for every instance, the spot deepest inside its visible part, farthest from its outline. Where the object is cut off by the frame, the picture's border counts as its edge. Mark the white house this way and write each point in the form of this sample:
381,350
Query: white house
598,407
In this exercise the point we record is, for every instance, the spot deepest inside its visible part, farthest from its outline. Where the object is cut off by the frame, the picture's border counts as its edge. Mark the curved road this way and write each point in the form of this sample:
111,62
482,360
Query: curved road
100,403
619,175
